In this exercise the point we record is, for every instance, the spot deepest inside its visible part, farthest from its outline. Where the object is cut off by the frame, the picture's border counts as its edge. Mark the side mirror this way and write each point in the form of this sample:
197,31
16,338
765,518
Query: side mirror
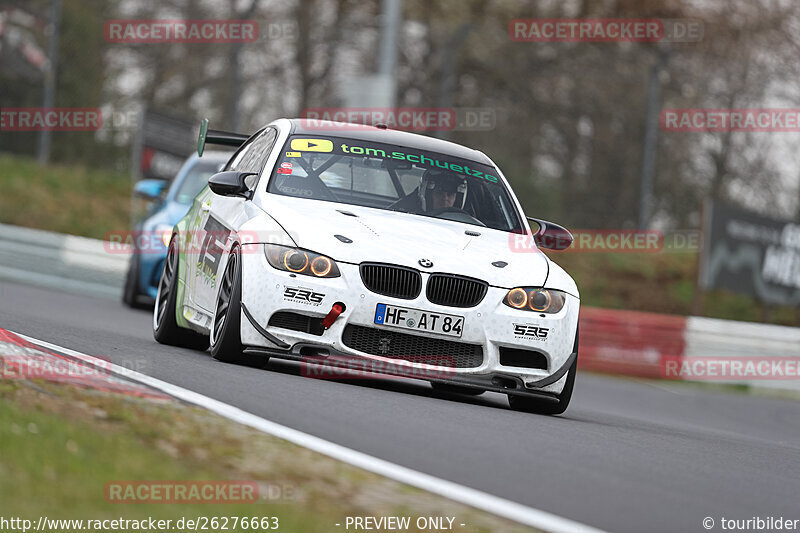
230,183
551,236
150,189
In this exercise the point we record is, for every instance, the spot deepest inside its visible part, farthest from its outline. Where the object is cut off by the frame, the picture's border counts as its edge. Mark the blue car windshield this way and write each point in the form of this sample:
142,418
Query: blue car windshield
396,178
196,179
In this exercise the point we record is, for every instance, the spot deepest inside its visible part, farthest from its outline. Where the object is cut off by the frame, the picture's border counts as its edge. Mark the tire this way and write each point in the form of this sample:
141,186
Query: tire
130,291
165,325
546,406
455,389
226,341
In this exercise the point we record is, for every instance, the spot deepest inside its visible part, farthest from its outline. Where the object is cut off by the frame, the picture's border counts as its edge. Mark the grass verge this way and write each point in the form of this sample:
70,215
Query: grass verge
69,199
60,445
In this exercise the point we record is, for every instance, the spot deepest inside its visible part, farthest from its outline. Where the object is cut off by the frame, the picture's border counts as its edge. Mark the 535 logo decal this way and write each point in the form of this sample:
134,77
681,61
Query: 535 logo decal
529,331
302,295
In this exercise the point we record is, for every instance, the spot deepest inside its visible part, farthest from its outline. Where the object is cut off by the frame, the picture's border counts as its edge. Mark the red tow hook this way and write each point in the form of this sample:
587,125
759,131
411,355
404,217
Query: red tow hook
333,314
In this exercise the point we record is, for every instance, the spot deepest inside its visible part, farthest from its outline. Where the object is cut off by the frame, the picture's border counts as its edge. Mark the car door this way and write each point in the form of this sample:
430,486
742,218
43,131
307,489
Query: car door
191,244
224,214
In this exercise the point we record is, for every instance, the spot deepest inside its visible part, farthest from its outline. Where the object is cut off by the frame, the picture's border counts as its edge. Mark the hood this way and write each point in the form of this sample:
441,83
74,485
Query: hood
404,239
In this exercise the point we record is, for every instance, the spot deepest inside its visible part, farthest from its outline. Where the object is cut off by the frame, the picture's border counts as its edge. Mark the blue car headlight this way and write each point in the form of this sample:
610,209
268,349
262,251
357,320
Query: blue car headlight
163,233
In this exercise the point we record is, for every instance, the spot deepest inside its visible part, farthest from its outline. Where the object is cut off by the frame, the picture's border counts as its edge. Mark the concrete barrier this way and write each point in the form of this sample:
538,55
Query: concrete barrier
691,349
64,262
628,342
730,340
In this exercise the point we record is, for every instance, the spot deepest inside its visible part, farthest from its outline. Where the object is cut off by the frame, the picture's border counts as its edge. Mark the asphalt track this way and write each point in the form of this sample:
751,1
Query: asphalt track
628,456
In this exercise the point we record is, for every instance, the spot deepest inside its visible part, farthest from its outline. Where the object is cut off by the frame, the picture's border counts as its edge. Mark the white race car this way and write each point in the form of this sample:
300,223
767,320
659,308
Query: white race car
366,251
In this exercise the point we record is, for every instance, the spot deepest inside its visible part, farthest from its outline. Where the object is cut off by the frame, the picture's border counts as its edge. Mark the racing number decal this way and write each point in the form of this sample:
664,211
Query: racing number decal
214,239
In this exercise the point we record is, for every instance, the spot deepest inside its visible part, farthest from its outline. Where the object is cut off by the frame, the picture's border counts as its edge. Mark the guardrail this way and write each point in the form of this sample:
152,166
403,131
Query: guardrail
617,342
63,262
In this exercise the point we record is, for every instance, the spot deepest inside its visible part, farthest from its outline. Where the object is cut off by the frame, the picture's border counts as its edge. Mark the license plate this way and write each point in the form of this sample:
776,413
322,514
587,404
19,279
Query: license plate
418,320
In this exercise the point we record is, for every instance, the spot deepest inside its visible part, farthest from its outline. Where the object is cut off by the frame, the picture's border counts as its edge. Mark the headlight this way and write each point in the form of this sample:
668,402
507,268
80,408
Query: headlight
164,233
301,261
535,299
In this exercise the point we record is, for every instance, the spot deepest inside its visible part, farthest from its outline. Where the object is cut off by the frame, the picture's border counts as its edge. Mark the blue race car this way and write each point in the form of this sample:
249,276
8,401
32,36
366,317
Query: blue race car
155,229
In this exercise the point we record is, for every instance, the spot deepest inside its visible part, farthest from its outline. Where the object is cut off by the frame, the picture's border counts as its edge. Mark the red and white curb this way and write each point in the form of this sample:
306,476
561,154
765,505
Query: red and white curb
25,360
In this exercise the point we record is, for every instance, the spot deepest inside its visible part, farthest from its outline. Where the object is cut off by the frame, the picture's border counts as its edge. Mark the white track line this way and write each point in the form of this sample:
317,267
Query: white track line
474,498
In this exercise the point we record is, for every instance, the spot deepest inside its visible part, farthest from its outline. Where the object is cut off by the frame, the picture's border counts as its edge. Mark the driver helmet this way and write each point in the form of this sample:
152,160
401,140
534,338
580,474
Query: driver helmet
436,179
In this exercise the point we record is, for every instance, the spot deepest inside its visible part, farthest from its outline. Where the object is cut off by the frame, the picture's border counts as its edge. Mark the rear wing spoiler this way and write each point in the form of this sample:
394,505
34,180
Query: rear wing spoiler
225,138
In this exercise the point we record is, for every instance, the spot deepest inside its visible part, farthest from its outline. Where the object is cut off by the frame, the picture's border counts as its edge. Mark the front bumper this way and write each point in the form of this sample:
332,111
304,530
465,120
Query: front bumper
150,274
491,325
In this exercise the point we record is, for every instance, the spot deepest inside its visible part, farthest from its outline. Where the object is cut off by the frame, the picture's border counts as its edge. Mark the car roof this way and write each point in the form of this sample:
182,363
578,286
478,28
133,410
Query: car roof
360,132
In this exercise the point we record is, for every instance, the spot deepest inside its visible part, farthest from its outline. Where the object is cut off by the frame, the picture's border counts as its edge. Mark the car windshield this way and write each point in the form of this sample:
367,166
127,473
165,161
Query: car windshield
394,178
196,179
